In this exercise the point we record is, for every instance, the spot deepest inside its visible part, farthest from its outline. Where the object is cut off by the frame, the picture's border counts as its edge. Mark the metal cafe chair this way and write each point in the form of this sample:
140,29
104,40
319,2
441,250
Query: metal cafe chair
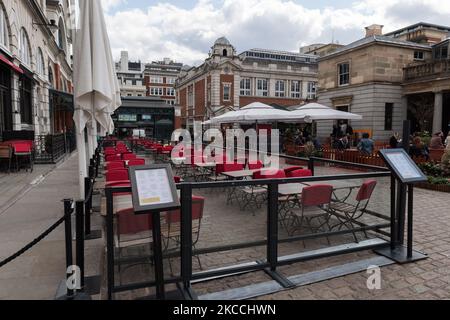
128,156
254,196
6,152
291,169
23,150
314,204
136,162
347,213
133,232
171,231
114,165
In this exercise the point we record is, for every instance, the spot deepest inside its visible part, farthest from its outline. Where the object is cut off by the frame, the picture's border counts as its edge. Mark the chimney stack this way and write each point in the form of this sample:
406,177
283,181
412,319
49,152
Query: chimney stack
374,30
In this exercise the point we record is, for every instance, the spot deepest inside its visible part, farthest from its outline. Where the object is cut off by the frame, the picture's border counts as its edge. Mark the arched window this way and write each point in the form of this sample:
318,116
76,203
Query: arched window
40,62
225,52
50,77
4,32
24,48
61,35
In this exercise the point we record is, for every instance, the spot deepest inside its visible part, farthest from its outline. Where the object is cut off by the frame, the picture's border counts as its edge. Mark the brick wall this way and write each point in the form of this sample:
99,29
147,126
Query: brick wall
199,92
183,104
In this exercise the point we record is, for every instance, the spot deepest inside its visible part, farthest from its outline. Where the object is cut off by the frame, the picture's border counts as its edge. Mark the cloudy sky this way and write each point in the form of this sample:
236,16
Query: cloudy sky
186,29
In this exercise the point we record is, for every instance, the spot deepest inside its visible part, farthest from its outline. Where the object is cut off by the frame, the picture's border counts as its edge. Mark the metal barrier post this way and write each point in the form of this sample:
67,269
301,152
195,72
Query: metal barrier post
110,242
87,206
186,236
410,220
272,226
311,165
68,240
393,215
79,226
401,207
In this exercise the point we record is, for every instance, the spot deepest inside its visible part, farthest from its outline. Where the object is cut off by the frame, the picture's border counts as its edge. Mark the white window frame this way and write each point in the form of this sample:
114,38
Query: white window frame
312,92
227,85
280,88
343,74
246,87
40,66
156,91
296,89
170,92
24,47
4,31
262,87
170,80
156,79
417,55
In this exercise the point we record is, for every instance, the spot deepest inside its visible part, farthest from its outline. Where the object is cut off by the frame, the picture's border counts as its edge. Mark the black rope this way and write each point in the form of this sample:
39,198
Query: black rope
33,243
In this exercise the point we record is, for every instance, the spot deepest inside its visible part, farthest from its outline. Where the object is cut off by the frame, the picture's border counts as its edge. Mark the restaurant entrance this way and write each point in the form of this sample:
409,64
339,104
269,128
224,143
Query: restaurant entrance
5,103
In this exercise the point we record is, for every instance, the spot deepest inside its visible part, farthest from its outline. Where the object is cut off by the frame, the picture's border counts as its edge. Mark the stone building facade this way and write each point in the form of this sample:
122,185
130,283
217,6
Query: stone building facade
131,77
370,77
227,80
35,66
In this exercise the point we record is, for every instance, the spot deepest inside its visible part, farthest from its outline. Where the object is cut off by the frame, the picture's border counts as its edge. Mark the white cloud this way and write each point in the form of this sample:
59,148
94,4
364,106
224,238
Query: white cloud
165,30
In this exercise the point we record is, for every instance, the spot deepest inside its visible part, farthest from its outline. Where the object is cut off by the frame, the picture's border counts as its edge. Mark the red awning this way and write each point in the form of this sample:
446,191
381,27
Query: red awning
9,63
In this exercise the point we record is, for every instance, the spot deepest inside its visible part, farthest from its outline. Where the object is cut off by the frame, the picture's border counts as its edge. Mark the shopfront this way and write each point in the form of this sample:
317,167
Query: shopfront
148,115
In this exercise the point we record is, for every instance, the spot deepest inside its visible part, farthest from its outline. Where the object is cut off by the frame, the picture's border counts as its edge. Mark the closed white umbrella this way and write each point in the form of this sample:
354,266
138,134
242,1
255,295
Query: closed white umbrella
317,112
94,78
255,112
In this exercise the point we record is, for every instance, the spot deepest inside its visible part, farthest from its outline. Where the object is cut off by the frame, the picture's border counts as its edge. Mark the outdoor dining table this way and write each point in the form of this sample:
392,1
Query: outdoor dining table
242,174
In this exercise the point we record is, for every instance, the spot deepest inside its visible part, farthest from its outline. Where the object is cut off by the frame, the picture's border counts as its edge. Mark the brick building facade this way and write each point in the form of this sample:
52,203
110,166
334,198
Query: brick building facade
226,81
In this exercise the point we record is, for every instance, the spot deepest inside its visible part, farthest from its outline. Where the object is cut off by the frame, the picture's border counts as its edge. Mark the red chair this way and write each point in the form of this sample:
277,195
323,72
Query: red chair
117,175
177,179
129,156
23,150
114,165
172,233
347,213
300,173
255,166
132,231
110,158
315,203
136,162
269,174
110,152
291,169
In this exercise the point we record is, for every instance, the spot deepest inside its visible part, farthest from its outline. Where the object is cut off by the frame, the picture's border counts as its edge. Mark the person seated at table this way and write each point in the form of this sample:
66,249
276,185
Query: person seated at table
394,141
447,142
418,148
436,141
343,143
366,145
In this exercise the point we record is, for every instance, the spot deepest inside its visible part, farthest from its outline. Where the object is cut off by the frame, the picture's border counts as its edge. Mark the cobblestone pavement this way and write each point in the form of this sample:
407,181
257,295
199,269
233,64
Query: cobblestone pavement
227,224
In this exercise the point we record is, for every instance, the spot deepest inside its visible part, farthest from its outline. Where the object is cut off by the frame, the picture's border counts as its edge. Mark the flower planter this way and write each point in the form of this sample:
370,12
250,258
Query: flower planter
434,187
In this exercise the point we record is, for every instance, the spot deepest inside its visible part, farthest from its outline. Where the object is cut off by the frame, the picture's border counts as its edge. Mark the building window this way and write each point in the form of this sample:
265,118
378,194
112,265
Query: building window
344,74
388,116
209,93
155,91
40,63
262,88
227,92
191,96
296,89
170,80
280,89
156,80
311,90
4,34
61,35
441,52
246,87
170,92
24,48
50,77
26,101
418,55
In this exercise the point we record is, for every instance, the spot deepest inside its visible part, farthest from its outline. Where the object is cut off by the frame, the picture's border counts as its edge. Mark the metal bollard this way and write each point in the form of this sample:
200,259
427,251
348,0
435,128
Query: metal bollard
79,226
68,239
87,206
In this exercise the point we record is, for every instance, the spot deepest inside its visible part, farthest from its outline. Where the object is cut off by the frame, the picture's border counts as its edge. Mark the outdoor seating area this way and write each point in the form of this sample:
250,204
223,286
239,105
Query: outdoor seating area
16,154
229,213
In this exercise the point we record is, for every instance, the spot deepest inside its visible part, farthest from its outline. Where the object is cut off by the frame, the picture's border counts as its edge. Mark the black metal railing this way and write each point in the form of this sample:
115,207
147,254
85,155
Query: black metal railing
50,149
387,228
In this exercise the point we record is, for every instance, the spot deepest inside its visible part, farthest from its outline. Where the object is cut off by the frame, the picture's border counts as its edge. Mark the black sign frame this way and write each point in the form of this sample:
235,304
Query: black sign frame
385,155
152,208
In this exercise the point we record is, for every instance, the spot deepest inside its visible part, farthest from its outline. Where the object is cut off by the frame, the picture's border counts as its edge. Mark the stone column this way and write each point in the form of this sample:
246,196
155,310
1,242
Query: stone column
437,118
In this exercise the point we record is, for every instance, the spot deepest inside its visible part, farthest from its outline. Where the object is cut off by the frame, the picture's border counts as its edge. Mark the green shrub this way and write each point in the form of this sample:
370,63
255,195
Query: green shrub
438,181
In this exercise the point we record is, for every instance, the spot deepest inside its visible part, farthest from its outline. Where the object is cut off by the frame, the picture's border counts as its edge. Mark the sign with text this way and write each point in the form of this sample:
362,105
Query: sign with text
403,166
153,188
